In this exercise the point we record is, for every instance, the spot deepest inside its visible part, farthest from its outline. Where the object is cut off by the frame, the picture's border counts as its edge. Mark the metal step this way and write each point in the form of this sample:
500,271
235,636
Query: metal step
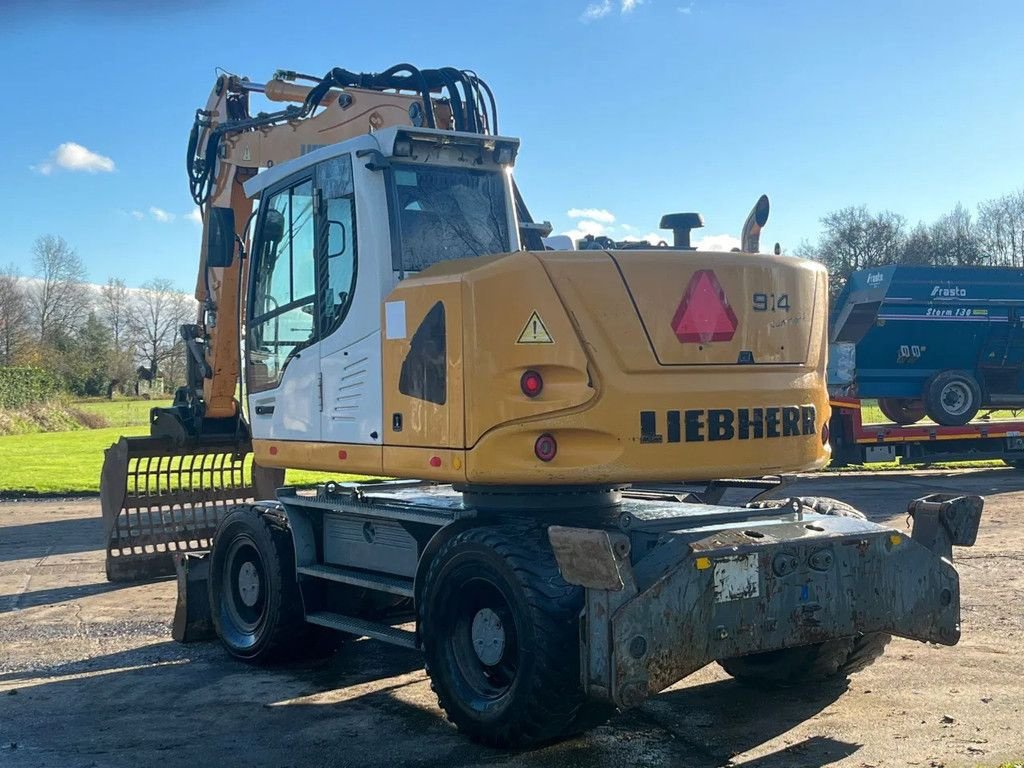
363,628
382,582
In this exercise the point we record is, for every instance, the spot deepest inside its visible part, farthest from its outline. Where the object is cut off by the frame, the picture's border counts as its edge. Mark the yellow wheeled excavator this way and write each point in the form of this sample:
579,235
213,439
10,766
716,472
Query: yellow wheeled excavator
390,310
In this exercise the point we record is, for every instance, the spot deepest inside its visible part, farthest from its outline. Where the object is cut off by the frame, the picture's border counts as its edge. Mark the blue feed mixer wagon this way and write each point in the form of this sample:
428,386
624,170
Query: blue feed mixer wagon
937,341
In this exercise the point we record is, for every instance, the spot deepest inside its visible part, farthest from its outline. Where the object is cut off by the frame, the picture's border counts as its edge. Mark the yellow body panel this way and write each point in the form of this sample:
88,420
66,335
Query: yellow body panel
624,398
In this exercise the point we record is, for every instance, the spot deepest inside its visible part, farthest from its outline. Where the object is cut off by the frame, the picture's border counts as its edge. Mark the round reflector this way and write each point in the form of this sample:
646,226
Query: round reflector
531,383
545,448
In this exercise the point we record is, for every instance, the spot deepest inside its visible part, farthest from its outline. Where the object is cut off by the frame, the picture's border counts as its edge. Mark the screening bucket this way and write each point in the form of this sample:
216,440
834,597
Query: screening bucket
159,499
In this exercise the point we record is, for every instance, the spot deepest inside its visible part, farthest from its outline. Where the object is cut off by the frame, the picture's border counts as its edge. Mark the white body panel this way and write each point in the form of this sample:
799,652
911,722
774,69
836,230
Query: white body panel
296,401
350,358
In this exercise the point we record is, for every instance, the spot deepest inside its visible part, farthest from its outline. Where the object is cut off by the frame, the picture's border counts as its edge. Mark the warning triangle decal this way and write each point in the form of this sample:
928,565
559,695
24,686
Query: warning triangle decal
535,332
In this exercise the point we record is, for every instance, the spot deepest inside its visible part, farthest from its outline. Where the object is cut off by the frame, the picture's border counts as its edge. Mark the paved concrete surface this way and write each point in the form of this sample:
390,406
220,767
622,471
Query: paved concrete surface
90,677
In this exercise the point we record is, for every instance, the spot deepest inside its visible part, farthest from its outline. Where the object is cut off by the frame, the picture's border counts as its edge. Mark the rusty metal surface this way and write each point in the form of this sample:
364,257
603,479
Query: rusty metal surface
590,557
158,500
765,585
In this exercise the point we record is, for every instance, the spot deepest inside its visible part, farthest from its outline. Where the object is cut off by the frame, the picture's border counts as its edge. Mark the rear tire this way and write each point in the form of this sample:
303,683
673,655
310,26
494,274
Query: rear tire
500,630
254,594
952,398
901,410
833,659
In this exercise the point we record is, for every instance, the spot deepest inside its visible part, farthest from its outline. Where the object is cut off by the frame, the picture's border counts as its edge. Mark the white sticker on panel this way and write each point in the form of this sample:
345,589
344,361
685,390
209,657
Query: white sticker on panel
394,319
736,577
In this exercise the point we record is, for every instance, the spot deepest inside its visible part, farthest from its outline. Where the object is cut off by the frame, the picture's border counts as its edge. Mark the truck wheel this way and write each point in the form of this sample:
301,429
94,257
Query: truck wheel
500,631
809,663
901,410
254,595
952,398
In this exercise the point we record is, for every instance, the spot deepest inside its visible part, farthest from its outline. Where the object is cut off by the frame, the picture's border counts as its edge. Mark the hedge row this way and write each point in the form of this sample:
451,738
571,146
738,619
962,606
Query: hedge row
22,386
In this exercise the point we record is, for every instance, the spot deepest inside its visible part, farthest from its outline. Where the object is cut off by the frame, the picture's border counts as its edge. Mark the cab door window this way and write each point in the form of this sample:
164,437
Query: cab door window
283,295
339,262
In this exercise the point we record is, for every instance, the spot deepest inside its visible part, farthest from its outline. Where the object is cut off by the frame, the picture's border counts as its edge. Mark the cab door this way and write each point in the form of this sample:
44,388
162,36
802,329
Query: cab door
349,299
282,362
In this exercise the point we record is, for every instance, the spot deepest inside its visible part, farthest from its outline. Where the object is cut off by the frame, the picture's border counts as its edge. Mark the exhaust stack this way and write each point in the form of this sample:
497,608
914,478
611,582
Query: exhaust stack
751,235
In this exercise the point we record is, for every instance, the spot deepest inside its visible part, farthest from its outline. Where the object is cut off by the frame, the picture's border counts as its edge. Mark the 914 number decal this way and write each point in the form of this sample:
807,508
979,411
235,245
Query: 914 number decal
769,302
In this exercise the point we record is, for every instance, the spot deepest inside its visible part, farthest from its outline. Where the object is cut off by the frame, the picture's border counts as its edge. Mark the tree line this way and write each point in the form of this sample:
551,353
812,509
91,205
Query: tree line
96,340
855,238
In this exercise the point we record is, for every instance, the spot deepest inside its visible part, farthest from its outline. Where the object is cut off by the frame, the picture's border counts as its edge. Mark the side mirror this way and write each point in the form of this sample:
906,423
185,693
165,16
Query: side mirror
273,226
220,237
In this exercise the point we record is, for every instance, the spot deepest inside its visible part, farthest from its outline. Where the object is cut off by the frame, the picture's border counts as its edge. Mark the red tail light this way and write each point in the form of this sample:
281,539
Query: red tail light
531,383
546,447
824,434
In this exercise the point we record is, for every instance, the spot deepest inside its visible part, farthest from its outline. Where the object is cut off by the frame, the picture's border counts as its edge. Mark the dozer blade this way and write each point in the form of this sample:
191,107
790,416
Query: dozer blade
160,499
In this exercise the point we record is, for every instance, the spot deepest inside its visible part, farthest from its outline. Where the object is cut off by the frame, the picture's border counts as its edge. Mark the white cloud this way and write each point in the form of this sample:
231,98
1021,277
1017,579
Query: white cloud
160,214
596,10
194,215
687,9
722,243
586,227
74,157
138,215
594,214
601,8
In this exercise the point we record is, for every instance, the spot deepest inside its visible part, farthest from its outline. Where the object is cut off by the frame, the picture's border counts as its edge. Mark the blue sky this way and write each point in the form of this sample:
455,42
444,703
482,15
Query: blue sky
631,108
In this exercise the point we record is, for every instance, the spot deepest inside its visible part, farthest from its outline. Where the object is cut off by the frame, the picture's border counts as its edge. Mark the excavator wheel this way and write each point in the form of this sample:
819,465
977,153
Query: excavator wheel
833,659
500,631
254,595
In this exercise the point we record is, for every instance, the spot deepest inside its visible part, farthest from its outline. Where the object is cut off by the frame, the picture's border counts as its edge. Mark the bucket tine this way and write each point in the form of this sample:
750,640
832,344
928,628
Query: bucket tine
160,499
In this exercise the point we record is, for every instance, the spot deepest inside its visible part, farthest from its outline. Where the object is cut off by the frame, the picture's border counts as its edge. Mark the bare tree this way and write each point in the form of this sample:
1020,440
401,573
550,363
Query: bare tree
854,238
115,310
15,334
1001,229
955,239
158,312
58,298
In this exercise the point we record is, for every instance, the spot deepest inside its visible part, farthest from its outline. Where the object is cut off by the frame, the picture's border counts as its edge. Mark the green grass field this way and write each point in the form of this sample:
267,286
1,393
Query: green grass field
121,413
58,463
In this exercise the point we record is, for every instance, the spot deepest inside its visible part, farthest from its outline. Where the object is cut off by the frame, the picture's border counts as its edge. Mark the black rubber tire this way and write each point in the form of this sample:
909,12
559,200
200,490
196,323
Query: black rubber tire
901,410
833,659
939,391
278,631
531,694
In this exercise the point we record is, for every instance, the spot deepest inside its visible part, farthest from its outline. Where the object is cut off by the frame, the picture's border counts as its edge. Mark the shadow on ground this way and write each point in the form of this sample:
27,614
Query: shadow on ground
369,705
66,535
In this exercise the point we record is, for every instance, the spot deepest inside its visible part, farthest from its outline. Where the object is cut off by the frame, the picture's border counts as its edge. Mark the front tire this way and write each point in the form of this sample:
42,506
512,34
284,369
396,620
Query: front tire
833,659
500,630
254,594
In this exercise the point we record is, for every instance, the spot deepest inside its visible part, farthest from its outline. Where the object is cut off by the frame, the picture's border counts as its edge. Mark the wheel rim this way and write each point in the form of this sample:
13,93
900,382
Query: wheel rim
956,398
481,641
244,585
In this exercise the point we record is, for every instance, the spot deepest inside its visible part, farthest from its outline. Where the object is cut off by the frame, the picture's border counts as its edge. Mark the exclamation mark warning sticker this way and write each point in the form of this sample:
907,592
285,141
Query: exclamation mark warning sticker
535,332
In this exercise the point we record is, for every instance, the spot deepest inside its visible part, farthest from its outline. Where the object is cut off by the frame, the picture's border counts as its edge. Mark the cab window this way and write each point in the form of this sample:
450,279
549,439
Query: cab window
282,300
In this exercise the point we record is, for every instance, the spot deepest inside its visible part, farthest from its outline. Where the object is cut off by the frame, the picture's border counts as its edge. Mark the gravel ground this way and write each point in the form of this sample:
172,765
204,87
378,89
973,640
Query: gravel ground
90,677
